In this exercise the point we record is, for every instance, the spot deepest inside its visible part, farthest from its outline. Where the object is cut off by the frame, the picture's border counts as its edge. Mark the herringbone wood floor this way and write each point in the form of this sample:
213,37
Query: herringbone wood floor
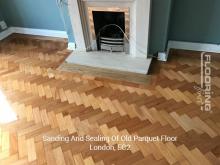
51,102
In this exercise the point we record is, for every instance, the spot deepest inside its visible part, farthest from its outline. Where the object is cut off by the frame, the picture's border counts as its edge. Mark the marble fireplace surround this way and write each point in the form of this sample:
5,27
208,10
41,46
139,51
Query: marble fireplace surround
137,20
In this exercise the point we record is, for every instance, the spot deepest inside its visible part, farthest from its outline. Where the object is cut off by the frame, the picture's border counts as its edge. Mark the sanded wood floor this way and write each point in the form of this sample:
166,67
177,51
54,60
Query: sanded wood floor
51,102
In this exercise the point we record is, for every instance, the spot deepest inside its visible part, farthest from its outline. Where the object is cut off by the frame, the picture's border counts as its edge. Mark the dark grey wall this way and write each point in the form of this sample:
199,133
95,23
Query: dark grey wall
1,19
159,27
195,21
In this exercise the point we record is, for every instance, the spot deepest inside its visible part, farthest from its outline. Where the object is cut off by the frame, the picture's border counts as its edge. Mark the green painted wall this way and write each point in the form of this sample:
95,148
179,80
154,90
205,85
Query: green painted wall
184,20
39,14
159,27
195,21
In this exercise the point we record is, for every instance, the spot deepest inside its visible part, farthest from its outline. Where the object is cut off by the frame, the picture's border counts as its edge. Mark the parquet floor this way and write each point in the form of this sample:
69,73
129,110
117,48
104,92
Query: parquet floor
49,102
108,74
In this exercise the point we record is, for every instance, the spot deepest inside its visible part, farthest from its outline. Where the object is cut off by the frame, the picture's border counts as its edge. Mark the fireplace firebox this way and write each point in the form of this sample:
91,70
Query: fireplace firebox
109,30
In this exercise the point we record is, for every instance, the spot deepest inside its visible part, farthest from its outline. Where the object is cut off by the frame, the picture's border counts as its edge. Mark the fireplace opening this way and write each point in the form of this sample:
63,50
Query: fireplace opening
109,30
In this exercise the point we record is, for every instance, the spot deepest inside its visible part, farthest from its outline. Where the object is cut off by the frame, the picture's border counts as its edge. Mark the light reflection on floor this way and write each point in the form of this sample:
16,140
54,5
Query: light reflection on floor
7,114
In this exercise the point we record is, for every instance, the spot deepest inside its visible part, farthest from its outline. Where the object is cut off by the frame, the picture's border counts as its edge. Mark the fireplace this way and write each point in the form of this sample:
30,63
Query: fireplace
119,27
109,30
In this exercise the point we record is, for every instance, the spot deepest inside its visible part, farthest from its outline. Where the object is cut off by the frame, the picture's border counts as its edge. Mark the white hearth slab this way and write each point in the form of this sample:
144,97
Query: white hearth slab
108,60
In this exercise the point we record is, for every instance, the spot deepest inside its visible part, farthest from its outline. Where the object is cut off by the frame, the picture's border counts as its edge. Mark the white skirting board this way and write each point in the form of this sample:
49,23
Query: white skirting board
40,32
71,46
204,47
4,34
